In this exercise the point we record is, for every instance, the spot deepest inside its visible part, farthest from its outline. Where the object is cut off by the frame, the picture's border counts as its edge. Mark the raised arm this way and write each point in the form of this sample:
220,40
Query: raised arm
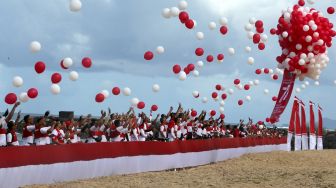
11,113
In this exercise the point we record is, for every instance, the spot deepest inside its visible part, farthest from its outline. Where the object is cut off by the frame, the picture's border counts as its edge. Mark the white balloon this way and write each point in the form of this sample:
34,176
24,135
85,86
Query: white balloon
223,21
105,93
174,11
303,86
250,35
183,5
196,73
231,91
248,98
252,20
195,94
17,81
222,103
317,83
231,51
73,76
200,35
55,89
250,61
266,91
200,64
23,97
307,83
264,37
156,88
248,49
35,46
256,82
248,27
166,13
160,50
135,101
212,25
240,86
182,76
204,100
221,110
75,5
67,62
298,90
127,91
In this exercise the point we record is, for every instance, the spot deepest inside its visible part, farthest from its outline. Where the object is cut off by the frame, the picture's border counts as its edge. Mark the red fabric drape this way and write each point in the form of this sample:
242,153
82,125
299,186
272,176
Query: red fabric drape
303,120
312,118
320,123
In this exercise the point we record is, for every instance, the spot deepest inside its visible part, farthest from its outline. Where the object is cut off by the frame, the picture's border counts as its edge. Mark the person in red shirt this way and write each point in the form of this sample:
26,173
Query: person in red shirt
28,131
236,132
11,134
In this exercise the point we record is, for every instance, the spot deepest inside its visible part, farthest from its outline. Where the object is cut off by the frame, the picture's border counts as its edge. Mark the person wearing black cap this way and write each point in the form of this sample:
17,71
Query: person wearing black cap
28,131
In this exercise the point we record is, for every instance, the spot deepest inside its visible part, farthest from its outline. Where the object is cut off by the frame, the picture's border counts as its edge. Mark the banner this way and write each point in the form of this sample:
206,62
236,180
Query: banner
284,95
312,135
297,130
291,125
320,130
304,127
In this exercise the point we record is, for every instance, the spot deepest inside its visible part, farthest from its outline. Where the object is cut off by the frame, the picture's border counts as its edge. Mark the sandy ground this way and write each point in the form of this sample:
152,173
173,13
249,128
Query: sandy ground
276,169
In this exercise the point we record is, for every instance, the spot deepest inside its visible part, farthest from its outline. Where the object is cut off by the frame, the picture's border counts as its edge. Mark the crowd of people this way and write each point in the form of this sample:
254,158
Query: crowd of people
113,127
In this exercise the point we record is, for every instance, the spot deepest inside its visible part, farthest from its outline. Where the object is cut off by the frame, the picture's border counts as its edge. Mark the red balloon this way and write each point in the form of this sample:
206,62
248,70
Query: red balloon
191,67
210,58
154,108
256,38
186,70
32,93
246,87
331,10
176,69
86,62
141,105
62,65
220,57
266,70
274,98
275,77
223,30
260,30
56,78
190,24
218,87
193,113
116,91
99,98
214,95
261,46
199,51
259,24
273,31
183,16
268,120
148,55
212,113
236,81
222,116
301,3
11,98
224,96
240,102
40,67
258,71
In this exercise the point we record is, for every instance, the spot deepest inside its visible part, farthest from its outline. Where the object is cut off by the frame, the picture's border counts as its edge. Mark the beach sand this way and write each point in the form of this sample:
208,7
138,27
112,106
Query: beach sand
275,169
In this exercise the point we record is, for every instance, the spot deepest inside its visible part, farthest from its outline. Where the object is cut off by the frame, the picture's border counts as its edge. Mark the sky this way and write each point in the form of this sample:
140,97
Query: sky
115,34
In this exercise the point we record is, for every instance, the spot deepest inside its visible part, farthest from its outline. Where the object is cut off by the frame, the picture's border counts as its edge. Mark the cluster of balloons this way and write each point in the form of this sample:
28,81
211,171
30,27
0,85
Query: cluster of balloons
258,37
100,97
304,36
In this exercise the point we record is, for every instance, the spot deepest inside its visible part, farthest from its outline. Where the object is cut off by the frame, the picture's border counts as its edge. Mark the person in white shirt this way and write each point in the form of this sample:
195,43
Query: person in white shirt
11,134
3,124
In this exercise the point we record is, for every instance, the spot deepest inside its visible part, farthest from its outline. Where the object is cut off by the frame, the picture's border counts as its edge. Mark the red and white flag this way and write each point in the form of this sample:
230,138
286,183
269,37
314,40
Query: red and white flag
320,130
297,130
291,125
312,135
304,127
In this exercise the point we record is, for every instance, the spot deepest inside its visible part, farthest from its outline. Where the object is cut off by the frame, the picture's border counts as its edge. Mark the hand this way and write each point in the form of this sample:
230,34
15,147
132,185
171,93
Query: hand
17,104
109,110
19,115
171,108
46,114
